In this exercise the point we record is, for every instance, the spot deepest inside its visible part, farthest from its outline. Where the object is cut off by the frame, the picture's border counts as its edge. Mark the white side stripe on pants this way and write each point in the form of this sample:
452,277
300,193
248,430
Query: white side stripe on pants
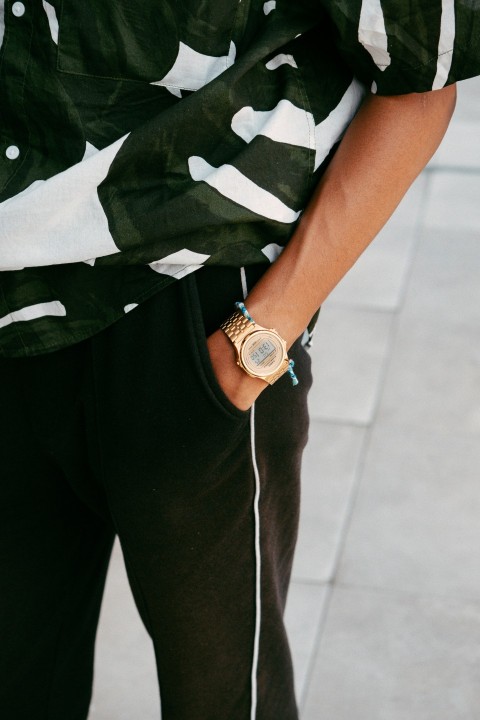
258,610
256,515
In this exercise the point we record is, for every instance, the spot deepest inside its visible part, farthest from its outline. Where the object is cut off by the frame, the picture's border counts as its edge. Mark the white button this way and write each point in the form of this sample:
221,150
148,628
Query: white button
12,152
18,9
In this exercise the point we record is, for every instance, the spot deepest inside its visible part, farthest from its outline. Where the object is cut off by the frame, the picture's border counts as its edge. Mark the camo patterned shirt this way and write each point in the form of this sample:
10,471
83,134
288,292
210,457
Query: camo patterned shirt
140,141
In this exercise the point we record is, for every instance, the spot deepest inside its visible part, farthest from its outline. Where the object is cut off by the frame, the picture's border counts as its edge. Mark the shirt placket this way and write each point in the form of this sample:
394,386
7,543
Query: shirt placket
14,60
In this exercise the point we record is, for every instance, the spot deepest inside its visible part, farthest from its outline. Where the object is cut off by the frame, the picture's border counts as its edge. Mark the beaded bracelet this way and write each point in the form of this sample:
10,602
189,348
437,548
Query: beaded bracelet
291,364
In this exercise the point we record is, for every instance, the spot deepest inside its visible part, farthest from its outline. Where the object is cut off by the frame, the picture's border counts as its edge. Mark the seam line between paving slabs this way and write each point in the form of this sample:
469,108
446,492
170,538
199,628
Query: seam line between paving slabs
400,592
463,169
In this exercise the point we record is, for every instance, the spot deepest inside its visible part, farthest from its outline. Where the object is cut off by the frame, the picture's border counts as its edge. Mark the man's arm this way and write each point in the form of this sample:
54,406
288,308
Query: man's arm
386,146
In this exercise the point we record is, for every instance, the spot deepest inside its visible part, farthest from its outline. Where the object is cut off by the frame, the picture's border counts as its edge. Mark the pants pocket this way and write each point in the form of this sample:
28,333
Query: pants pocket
199,346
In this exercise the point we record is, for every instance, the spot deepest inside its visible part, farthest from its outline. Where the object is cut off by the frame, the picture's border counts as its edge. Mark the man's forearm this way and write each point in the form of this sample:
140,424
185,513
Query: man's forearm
385,148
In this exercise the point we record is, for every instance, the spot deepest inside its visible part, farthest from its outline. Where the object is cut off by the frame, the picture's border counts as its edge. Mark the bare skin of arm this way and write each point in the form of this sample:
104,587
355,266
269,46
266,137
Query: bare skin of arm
389,142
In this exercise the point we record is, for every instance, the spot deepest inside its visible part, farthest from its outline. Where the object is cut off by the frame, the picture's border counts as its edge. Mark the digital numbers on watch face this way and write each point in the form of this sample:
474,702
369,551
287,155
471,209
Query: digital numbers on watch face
262,353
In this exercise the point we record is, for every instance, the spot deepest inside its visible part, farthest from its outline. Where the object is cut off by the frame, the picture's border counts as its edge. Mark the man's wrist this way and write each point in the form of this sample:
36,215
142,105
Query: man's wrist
261,351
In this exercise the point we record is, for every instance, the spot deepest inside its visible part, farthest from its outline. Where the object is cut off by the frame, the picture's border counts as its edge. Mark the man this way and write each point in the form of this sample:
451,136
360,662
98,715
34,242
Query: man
157,160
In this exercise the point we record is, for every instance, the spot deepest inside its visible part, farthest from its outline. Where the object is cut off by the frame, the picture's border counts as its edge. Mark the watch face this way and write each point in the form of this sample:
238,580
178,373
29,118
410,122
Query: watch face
262,353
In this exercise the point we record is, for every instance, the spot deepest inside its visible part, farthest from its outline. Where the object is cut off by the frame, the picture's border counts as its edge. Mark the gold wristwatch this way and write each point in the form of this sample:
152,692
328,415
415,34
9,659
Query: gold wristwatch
261,352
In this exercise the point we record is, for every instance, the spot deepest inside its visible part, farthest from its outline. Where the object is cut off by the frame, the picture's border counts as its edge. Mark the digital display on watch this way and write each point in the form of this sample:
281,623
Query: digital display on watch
262,353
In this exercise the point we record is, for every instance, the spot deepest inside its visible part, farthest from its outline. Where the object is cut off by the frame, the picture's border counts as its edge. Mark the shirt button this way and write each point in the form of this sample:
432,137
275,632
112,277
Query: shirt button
12,152
18,9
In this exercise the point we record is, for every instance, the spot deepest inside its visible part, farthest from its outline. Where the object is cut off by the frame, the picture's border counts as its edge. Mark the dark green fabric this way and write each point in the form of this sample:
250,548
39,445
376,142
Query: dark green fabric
160,136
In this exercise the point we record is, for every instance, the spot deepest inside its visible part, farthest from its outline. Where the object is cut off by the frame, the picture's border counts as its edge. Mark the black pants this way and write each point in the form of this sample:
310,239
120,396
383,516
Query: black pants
129,433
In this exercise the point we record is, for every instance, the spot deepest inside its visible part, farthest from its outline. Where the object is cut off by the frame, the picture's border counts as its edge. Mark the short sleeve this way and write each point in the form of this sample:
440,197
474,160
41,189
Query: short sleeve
404,46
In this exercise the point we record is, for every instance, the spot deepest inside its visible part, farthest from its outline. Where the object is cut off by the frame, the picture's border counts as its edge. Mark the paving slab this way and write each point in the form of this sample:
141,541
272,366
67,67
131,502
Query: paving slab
388,656
125,685
444,281
378,278
415,525
460,146
453,202
328,482
350,347
303,615
433,378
